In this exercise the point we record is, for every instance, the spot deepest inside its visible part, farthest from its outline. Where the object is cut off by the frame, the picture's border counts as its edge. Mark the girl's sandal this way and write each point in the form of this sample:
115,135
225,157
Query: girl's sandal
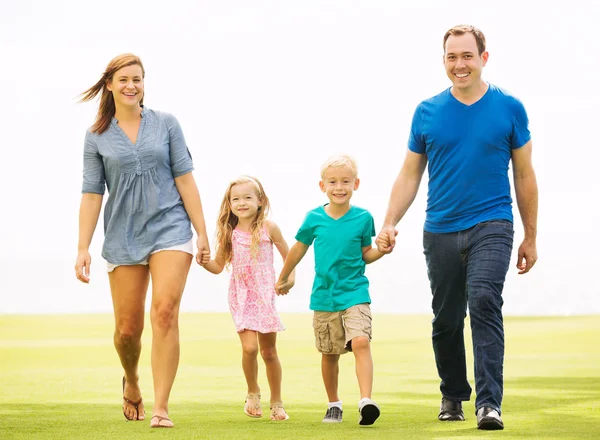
276,412
253,401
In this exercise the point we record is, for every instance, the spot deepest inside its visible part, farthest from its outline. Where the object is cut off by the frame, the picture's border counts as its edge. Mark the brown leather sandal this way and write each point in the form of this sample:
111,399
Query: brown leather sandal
136,405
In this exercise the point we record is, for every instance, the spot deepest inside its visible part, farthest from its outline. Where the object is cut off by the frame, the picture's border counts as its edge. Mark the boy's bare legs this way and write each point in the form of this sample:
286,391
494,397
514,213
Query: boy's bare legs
330,369
369,411
361,347
268,352
249,341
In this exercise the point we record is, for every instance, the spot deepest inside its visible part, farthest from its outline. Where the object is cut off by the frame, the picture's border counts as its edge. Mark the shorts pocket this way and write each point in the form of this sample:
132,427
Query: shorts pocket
322,337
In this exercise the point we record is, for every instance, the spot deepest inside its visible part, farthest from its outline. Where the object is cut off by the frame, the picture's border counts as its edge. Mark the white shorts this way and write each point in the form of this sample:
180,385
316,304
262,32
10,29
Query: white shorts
185,247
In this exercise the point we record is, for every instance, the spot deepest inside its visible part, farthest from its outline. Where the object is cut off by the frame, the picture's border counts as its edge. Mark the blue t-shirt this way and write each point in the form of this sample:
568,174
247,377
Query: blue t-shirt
144,211
468,149
340,280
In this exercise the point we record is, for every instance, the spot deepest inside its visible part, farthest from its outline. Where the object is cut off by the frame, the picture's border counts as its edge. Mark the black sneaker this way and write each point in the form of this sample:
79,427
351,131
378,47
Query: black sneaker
333,415
489,419
451,411
369,412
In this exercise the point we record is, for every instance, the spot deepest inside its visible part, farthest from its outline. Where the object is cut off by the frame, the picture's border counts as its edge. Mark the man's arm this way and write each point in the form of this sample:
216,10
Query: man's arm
526,191
404,191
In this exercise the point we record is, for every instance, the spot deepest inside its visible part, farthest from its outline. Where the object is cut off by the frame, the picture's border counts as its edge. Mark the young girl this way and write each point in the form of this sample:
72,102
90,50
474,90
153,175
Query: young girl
245,241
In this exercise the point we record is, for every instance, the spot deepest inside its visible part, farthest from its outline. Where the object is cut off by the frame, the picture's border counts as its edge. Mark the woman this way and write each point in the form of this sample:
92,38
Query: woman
141,157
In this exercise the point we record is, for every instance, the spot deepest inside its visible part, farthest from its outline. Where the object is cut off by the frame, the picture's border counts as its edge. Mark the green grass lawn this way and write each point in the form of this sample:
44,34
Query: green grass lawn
60,379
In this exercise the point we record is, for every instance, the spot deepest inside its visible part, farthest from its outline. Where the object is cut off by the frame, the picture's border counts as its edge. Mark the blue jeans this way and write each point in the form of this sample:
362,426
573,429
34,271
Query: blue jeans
469,267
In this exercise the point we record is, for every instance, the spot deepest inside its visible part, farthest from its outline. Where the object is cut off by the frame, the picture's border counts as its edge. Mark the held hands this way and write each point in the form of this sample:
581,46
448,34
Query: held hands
283,285
527,256
82,266
203,255
386,240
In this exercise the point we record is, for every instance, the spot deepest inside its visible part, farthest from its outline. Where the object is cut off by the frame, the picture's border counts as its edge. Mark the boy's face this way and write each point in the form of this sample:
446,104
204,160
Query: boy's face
339,183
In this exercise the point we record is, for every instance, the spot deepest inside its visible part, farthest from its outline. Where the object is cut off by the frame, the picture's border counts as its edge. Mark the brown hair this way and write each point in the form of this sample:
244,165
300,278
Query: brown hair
106,109
462,29
227,220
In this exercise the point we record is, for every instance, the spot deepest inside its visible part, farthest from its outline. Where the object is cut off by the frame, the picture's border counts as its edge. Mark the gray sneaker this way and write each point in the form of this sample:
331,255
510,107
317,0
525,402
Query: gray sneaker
333,415
488,418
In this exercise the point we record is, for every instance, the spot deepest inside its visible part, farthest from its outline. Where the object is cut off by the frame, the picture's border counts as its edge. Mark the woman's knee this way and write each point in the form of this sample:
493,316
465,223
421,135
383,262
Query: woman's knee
250,350
129,331
165,314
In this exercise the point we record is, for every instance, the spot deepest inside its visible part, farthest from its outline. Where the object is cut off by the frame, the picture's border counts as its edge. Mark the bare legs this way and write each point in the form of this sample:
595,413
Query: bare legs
251,341
129,285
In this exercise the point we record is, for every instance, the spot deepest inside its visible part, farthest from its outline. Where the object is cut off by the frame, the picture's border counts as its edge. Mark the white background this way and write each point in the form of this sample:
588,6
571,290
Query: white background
272,88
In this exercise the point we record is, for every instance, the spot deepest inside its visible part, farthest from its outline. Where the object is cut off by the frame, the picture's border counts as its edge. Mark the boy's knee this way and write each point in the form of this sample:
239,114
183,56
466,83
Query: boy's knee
360,343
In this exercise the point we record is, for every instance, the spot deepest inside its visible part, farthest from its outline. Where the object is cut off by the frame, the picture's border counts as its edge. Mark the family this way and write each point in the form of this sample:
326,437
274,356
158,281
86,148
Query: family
467,136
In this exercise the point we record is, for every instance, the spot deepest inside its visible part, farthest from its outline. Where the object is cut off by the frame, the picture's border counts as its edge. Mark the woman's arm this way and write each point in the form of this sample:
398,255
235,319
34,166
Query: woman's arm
89,211
186,185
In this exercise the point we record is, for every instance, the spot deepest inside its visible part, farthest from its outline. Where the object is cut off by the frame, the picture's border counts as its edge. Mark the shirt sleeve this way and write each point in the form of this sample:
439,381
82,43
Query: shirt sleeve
416,141
520,134
94,180
368,231
305,233
181,159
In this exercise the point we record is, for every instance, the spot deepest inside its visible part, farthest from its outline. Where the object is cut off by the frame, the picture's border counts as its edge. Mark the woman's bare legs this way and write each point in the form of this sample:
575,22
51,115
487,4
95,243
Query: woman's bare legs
169,270
128,286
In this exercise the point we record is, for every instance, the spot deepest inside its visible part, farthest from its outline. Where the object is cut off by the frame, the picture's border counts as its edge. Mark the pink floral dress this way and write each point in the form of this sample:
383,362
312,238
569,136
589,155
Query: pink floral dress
252,285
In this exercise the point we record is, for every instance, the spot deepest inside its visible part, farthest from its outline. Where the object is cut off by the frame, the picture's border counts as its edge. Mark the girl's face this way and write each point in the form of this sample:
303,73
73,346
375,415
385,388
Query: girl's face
244,201
127,86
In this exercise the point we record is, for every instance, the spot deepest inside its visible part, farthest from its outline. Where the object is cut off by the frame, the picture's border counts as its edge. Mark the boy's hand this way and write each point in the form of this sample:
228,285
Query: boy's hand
284,285
386,240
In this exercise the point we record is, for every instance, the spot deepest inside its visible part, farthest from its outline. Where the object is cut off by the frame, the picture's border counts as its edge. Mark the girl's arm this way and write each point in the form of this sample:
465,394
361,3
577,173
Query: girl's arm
277,238
215,266
186,185
370,254
287,278
89,211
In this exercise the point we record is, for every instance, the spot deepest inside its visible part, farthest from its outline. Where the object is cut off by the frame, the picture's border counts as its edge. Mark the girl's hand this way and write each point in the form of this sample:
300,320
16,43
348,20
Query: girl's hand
284,285
203,255
82,266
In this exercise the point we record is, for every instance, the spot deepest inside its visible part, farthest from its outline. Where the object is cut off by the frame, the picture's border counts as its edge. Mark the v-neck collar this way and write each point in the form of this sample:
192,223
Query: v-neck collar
115,123
339,218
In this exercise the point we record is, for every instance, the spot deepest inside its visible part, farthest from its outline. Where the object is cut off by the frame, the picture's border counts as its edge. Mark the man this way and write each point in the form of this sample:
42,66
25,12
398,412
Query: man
467,136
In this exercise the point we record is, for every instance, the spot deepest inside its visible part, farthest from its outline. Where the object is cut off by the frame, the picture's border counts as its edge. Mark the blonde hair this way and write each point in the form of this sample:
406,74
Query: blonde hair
341,160
106,109
227,220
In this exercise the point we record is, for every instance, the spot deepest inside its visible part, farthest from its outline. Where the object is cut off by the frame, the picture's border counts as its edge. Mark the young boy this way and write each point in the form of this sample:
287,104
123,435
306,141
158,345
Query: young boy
340,294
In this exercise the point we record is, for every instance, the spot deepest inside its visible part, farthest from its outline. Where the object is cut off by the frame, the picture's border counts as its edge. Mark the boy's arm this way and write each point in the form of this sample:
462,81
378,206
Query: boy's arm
286,277
370,254
216,266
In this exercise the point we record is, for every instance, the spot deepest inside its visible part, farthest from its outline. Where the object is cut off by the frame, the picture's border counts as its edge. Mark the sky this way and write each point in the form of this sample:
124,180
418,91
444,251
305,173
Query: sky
272,88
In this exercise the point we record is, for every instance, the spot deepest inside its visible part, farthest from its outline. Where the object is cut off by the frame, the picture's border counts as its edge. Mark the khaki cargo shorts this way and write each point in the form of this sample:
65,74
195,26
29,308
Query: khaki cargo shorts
335,330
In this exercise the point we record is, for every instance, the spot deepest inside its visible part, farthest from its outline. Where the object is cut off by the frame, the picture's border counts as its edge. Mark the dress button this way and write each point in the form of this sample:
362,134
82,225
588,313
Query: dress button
138,172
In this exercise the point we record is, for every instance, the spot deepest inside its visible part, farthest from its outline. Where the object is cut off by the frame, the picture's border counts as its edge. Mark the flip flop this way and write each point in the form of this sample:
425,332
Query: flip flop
160,420
136,404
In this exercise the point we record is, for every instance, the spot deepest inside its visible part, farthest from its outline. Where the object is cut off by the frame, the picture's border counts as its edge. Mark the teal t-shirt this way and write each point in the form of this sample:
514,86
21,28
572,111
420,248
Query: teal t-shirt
340,280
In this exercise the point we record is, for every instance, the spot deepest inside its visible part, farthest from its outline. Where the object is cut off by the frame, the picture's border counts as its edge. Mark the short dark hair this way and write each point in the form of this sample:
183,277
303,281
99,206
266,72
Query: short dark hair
462,29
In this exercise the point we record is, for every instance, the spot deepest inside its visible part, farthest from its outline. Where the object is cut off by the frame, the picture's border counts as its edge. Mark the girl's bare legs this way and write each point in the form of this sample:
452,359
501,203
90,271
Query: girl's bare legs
268,351
128,286
249,341
169,270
